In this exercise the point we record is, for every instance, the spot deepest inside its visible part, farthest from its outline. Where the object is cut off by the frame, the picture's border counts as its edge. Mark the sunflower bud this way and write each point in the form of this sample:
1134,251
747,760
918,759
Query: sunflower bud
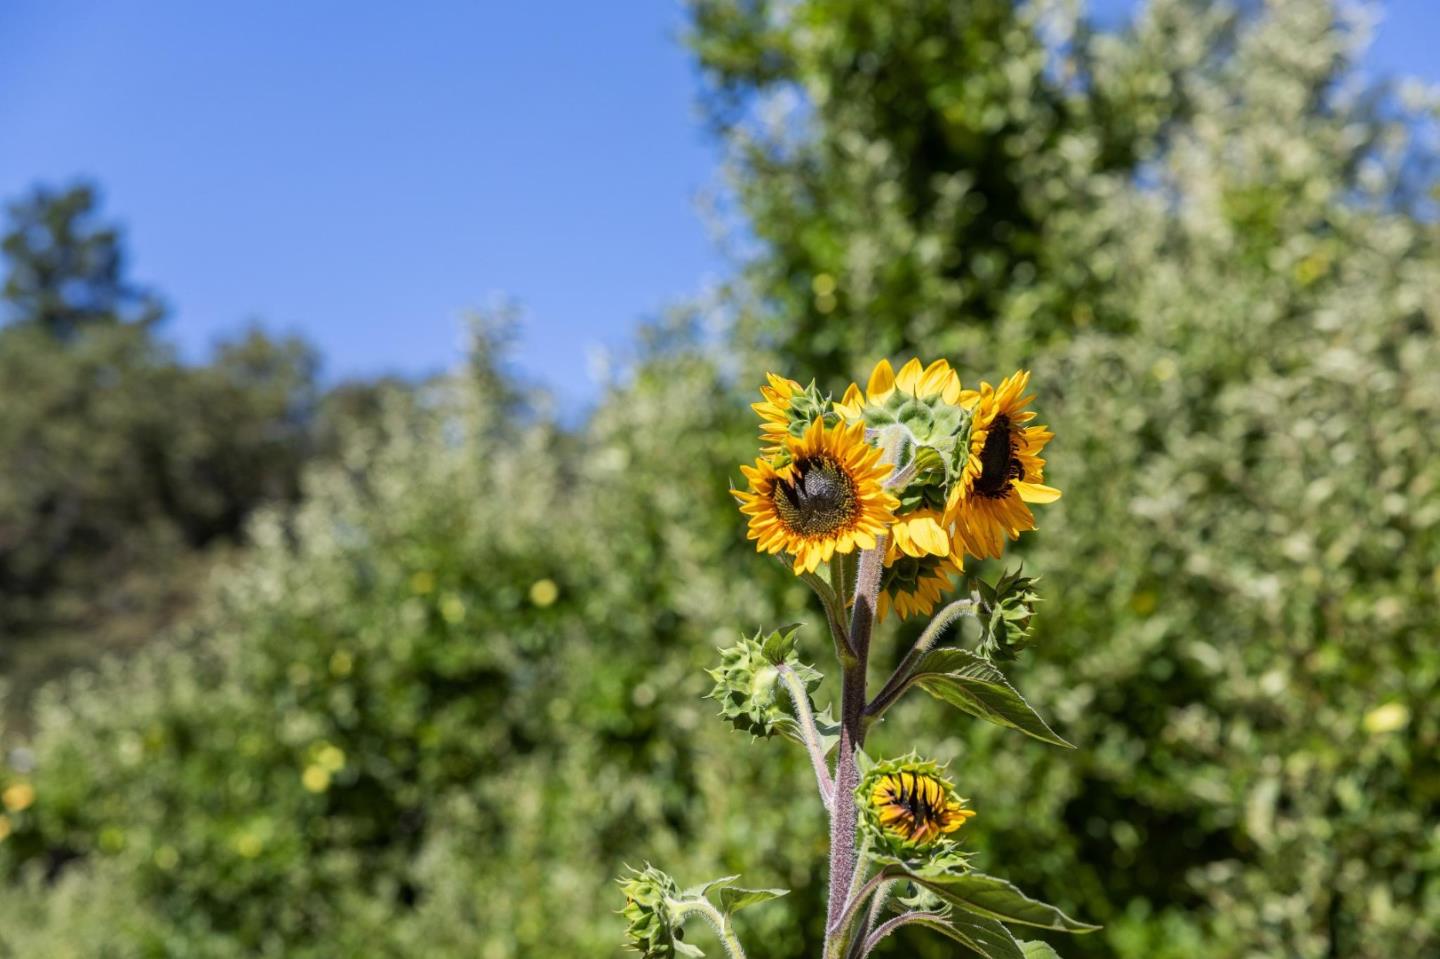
747,683
1006,611
787,410
650,924
909,812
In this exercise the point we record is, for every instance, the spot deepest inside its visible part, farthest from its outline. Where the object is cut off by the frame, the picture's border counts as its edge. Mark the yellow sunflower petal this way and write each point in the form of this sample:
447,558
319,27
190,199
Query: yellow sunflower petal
1037,493
882,382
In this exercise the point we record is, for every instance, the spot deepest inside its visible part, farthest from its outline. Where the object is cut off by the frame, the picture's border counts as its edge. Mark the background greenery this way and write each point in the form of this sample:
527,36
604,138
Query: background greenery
429,669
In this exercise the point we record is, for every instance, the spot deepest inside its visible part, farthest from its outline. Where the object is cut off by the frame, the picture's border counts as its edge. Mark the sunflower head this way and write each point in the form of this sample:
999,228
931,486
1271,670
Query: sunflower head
822,494
1003,472
910,812
651,928
787,409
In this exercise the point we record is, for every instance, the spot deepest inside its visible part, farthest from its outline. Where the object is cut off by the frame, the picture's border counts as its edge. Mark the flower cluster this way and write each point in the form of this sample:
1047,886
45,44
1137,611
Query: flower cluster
914,473
943,471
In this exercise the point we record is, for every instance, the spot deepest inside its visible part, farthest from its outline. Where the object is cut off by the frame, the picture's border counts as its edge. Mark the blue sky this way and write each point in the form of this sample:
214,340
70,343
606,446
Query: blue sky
362,173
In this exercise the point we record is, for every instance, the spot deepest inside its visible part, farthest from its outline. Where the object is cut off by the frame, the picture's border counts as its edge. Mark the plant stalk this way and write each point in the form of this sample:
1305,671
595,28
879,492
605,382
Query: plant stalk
720,923
895,685
843,815
809,732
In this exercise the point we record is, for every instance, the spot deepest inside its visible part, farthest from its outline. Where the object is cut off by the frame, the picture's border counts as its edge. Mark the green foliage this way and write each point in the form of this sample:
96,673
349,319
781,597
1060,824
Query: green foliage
1209,252
123,466
972,685
1204,245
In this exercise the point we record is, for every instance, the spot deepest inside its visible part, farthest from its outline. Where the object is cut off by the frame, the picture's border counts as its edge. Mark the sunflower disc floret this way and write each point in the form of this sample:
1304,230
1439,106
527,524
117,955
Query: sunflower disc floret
910,812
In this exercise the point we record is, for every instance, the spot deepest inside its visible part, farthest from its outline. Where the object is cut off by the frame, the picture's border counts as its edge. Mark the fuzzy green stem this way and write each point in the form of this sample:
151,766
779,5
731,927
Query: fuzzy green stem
844,816
809,732
859,944
680,908
895,685
834,611
876,937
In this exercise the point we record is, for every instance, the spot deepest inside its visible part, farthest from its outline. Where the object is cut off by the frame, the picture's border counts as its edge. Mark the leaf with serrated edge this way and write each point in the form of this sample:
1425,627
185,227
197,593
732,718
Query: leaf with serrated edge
972,685
1034,949
985,895
733,900
985,936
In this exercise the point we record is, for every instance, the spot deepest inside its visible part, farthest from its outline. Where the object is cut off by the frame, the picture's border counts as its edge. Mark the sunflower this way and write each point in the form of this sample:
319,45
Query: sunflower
912,585
918,808
828,496
908,805
775,410
920,533
1004,470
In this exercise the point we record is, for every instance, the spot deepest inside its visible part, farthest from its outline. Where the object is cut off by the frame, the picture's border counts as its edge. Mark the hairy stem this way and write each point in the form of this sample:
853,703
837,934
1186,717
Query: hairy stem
875,938
837,939
860,945
680,908
843,815
809,732
832,599
895,685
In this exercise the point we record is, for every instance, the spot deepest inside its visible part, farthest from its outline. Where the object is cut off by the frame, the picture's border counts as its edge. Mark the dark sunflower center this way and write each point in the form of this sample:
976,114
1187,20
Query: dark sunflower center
999,466
819,499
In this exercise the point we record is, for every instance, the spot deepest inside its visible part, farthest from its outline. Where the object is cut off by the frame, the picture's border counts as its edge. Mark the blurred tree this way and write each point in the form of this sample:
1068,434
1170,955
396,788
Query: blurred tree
66,268
905,164
122,464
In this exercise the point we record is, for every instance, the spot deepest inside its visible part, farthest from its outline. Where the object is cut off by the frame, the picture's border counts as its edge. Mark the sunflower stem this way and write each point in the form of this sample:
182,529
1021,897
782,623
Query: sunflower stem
860,944
834,614
844,860
680,908
876,937
897,682
809,733
838,938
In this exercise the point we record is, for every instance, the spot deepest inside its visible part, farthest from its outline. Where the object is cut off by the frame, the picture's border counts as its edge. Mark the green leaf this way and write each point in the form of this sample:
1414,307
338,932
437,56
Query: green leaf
825,725
1034,949
985,936
972,685
994,898
733,900
698,892
778,646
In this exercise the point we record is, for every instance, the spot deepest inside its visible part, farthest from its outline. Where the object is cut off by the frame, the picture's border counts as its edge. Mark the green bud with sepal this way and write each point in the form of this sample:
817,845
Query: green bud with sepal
748,683
649,923
924,404
1005,612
